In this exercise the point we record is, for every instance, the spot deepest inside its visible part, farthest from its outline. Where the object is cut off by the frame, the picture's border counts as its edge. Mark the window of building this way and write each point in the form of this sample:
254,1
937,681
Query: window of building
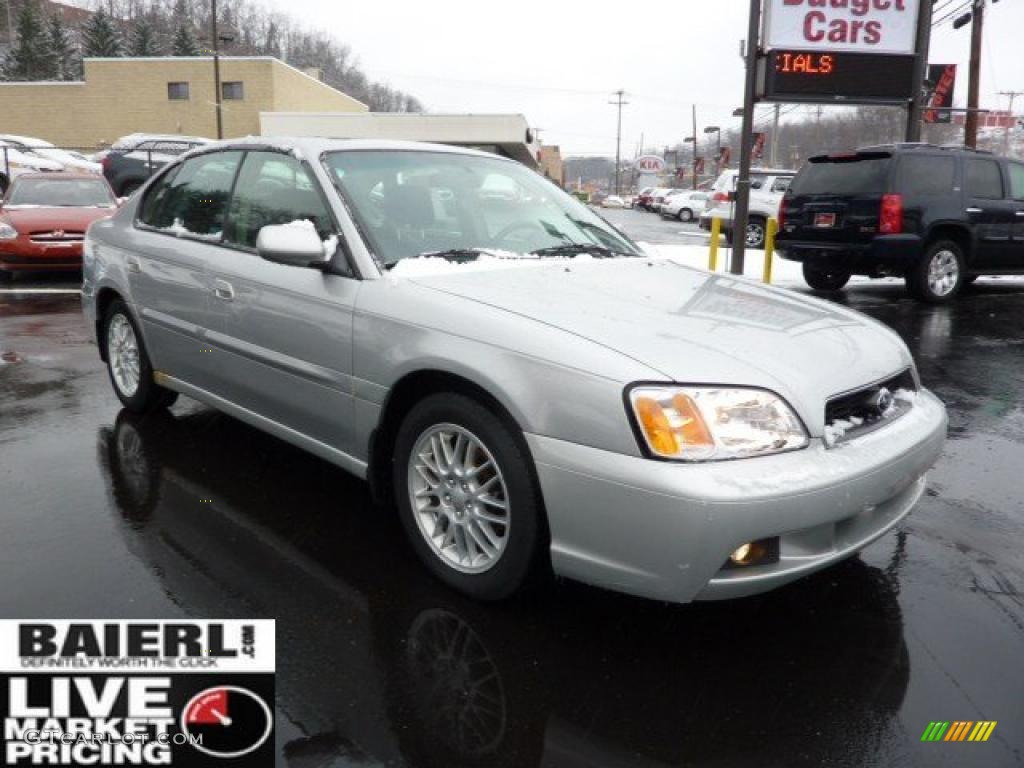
177,91
233,91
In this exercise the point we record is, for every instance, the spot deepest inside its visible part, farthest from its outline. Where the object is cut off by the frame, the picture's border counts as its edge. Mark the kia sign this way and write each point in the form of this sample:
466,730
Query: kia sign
650,164
859,26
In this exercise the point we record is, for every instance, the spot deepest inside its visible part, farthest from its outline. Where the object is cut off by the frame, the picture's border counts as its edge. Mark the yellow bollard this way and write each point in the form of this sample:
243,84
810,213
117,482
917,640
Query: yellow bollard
716,231
769,248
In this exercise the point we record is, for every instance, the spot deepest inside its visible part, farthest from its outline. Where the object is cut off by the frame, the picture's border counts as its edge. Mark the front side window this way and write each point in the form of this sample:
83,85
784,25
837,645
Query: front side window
274,188
414,203
982,179
193,202
177,91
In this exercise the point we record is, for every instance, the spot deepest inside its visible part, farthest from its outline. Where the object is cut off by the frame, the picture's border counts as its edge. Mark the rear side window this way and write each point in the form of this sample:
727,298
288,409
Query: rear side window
982,179
926,176
1016,180
857,175
194,201
274,188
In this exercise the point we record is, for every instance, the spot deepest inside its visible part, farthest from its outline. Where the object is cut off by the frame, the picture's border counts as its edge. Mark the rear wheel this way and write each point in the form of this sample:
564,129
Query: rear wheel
940,275
756,228
685,214
822,278
467,497
128,364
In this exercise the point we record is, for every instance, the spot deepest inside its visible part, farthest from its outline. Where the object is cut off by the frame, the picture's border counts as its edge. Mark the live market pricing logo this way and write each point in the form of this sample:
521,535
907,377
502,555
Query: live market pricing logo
959,730
184,693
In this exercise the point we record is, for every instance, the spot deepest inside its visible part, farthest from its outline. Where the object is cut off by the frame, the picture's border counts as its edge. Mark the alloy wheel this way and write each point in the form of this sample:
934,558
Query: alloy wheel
943,273
755,234
123,353
459,498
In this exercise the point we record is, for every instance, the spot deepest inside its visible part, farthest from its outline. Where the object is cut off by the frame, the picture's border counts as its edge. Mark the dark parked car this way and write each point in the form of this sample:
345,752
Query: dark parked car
643,200
128,168
937,216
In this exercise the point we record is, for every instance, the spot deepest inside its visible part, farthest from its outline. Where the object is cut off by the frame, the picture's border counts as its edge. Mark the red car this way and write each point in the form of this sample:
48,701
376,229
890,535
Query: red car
44,216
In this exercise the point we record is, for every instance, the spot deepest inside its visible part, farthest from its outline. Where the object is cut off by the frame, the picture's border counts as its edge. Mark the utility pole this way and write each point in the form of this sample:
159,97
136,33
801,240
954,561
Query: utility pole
974,77
739,223
1012,96
618,137
695,147
216,69
915,110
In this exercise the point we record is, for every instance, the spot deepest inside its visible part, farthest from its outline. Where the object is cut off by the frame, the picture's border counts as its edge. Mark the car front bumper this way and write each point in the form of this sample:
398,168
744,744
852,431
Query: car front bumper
24,254
664,530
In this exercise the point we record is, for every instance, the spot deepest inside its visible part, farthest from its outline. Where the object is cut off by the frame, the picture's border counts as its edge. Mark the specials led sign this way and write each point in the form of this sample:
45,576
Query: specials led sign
840,77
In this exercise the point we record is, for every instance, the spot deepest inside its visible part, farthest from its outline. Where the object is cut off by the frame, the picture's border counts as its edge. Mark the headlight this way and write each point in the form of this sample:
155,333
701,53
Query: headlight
7,232
714,423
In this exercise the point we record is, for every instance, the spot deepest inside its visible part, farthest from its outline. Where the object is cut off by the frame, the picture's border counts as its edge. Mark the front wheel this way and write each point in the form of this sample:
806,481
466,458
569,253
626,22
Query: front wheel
940,275
128,364
825,278
756,233
467,497
685,214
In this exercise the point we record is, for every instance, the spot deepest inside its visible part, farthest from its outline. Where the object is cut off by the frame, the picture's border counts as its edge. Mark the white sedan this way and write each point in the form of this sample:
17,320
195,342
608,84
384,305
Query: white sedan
613,201
69,161
685,206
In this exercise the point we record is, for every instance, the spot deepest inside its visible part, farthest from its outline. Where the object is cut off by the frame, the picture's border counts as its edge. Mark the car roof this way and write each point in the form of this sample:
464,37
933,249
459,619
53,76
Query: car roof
314,146
60,176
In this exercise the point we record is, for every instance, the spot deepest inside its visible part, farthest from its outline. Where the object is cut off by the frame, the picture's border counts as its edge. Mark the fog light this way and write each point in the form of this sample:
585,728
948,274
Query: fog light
744,554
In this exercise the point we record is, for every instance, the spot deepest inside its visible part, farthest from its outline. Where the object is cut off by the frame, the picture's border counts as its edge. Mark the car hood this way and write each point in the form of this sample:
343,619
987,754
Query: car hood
690,326
36,219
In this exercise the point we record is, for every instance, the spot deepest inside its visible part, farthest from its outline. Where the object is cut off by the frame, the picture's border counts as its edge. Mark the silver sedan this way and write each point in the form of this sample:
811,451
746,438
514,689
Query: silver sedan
524,385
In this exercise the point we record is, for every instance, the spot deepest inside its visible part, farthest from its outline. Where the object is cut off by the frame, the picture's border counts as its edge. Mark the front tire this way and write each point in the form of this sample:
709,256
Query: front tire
467,497
685,215
825,278
756,230
128,364
940,275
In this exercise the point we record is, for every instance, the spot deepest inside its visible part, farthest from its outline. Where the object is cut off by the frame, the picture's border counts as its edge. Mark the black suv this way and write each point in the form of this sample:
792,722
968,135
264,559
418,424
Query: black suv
937,216
128,168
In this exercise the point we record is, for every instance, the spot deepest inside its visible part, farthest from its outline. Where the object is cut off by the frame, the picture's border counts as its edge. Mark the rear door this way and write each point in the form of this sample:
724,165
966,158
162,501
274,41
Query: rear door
284,333
836,199
179,226
990,211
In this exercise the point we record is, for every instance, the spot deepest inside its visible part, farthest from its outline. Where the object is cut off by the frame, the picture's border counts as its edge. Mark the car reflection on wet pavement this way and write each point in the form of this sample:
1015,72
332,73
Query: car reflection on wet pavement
105,514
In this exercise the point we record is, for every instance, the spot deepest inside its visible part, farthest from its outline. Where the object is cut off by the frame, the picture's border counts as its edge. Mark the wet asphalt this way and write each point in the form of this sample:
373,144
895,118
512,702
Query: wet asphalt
192,514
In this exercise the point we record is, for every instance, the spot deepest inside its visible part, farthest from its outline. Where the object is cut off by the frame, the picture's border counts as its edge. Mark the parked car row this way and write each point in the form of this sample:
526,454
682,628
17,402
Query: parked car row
23,154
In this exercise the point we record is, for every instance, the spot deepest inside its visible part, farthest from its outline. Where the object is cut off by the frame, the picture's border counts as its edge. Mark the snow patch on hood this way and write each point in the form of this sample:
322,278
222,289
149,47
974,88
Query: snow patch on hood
489,261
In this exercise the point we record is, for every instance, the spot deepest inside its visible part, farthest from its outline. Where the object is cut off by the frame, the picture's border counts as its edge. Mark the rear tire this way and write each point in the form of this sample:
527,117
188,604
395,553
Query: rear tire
825,278
131,373
444,488
940,274
685,214
756,232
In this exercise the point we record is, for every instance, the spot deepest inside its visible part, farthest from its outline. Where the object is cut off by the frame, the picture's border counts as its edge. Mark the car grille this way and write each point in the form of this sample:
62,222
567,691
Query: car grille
855,414
57,236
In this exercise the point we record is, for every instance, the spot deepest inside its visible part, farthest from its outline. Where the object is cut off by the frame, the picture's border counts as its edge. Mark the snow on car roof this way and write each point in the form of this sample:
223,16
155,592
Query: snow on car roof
317,145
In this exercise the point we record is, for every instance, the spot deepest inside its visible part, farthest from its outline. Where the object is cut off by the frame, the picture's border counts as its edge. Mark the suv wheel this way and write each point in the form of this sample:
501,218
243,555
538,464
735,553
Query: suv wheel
825,278
756,233
685,214
467,498
939,276
128,364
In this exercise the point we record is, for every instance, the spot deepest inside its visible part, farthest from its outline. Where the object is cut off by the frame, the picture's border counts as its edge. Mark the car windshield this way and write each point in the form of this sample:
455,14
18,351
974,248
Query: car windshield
77,193
422,203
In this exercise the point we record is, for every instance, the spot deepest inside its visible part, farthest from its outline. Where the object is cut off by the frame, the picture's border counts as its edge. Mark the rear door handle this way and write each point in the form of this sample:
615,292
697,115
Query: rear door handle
1020,214
222,290
133,264
975,210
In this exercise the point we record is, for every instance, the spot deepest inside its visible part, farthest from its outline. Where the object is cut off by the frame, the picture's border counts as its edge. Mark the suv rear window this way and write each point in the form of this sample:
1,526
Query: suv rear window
853,175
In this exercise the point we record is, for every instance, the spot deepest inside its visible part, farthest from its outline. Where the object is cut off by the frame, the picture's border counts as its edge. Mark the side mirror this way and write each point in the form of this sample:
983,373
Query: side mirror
297,245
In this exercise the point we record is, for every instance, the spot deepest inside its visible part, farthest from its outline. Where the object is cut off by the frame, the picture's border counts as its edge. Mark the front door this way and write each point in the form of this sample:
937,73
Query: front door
284,335
179,222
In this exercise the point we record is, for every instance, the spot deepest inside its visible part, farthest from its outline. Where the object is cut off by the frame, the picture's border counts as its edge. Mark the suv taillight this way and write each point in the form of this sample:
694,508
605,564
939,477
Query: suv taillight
720,197
890,217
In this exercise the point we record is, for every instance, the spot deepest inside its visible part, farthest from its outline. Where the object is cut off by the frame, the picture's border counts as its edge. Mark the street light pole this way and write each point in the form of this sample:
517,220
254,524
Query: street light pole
216,70
618,136
915,111
739,224
974,75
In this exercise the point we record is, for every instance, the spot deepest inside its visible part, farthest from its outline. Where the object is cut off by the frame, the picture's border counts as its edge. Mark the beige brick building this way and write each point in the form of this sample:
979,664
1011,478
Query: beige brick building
117,97
551,163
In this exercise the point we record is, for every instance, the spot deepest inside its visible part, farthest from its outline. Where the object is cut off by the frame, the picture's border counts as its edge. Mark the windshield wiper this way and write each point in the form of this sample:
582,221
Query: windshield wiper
575,249
461,255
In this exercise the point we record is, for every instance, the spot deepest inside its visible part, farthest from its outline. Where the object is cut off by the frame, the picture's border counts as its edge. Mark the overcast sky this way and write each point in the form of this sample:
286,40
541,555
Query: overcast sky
559,62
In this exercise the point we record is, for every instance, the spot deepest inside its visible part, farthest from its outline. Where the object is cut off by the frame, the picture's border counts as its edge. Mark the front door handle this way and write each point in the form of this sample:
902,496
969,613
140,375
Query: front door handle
222,290
975,210
1020,214
133,264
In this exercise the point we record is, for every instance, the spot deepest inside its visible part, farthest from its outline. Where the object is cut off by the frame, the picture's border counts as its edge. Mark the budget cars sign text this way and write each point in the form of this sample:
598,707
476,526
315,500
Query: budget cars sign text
865,26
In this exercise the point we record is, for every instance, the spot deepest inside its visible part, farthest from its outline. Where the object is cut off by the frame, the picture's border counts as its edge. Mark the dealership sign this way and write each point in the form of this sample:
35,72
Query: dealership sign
860,26
650,164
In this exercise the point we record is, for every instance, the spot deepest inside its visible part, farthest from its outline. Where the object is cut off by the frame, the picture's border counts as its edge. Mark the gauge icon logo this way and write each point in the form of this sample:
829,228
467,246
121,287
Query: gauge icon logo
227,721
